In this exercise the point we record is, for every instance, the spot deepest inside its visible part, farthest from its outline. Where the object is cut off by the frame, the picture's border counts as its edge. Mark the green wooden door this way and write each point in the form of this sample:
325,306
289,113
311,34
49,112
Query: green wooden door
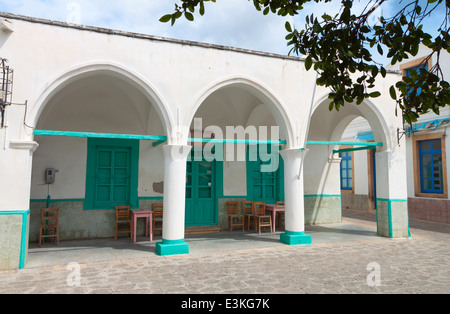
112,177
262,186
200,193
111,173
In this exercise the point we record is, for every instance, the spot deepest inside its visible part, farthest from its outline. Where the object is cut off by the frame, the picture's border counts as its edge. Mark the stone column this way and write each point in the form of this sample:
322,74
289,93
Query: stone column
175,158
294,198
15,183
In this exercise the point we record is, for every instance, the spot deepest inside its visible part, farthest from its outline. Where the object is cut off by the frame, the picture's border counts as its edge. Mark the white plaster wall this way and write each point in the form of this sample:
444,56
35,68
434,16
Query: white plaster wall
68,156
360,173
167,67
175,78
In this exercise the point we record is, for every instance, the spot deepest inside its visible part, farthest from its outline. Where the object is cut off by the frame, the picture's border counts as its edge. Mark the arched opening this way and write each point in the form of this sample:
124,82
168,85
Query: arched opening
331,181
242,113
358,168
93,174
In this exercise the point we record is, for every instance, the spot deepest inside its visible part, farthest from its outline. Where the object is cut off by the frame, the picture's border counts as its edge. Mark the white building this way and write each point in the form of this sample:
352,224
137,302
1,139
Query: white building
113,112
427,148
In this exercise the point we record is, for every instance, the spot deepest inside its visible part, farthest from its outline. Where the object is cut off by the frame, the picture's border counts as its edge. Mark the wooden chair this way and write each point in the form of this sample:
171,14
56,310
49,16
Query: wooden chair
123,219
49,224
262,220
234,218
280,215
157,217
249,213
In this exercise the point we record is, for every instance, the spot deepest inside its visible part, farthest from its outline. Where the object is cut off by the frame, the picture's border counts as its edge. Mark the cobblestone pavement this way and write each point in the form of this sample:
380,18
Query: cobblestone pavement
420,264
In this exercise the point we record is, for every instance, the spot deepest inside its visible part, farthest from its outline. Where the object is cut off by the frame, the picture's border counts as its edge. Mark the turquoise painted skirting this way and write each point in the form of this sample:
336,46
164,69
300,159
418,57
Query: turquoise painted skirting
150,198
43,200
323,195
24,233
295,238
171,247
57,200
390,201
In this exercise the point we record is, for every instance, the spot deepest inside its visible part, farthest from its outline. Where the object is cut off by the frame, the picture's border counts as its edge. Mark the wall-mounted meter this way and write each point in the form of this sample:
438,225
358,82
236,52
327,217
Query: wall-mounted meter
50,174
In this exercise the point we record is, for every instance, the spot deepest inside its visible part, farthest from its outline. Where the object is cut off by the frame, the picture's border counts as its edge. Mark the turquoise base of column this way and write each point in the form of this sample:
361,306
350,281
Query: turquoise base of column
295,238
172,247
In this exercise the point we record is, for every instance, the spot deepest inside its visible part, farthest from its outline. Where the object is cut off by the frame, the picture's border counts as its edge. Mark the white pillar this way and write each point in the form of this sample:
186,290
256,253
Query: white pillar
392,196
294,198
15,183
175,158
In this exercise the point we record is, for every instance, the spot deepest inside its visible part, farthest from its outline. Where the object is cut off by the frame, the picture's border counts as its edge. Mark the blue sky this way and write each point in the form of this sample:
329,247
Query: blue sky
228,22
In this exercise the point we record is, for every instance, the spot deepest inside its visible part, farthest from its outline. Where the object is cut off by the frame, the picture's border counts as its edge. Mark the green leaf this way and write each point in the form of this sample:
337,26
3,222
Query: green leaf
288,27
308,63
380,50
189,16
375,94
393,93
166,18
202,9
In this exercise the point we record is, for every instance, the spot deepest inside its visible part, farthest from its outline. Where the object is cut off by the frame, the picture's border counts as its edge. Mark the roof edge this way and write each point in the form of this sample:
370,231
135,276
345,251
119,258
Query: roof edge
108,31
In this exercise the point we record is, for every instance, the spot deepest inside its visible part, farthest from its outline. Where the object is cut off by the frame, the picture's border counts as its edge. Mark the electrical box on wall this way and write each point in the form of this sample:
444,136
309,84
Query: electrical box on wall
50,174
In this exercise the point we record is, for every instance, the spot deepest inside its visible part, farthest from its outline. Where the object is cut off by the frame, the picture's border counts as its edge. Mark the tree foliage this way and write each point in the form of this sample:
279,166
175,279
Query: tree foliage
338,48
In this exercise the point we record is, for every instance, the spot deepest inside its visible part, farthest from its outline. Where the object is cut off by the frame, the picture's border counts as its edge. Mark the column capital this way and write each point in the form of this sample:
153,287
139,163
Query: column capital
176,152
27,145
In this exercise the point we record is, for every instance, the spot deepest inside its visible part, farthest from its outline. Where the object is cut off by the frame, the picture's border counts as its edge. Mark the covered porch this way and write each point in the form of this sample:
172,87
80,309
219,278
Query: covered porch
355,227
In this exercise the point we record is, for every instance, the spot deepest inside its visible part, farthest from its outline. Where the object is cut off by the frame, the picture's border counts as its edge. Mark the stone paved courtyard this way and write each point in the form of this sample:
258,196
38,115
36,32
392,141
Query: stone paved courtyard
420,264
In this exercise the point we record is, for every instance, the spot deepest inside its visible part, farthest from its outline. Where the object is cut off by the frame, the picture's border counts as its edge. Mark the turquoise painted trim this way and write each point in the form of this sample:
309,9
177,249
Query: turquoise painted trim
390,219
345,143
82,199
346,150
172,247
24,232
191,140
100,135
173,242
295,238
14,212
158,138
234,141
23,239
322,195
56,200
150,198
392,200
389,201
157,143
233,196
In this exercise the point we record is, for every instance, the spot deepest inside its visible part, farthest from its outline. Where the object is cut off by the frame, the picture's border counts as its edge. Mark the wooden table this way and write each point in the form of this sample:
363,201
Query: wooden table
142,213
274,208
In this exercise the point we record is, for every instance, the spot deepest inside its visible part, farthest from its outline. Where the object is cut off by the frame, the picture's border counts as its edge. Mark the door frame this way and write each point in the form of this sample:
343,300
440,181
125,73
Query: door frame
217,181
372,180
